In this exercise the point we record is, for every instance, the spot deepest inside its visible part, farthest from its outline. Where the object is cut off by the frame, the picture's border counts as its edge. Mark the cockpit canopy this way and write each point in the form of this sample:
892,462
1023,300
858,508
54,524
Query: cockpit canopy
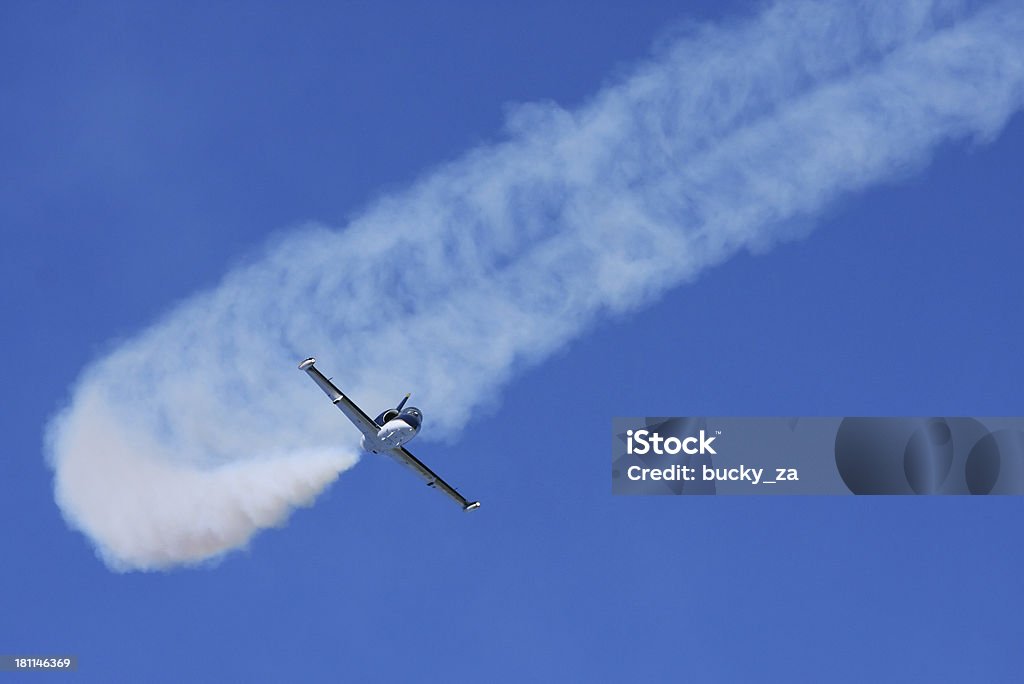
412,416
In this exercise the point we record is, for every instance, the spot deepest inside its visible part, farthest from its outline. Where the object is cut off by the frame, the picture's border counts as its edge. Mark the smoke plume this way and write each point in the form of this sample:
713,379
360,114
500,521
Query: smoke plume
185,440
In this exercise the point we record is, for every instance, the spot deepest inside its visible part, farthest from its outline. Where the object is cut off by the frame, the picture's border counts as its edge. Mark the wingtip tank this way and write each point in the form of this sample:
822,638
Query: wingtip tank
307,363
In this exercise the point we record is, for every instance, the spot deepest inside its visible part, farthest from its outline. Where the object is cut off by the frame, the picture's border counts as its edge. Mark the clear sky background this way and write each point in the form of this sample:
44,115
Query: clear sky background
146,149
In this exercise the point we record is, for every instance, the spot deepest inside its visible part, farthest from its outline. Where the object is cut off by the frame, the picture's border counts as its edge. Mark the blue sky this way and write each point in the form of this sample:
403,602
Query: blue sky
149,150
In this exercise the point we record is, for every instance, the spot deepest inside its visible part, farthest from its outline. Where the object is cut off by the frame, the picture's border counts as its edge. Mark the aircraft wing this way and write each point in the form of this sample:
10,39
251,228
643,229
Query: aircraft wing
344,404
402,455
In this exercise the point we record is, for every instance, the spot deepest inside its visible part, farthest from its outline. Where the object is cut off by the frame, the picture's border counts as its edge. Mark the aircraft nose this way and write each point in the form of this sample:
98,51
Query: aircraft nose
394,433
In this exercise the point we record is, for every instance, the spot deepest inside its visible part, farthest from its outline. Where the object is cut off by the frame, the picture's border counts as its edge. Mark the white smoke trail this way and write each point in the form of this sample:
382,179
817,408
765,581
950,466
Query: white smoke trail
184,441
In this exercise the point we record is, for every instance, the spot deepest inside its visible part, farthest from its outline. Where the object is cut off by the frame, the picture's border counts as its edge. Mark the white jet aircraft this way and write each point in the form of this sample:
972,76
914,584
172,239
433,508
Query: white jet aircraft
388,433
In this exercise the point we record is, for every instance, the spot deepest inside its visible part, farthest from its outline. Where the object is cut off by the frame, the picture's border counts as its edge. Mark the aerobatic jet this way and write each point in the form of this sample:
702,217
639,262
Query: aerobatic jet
387,433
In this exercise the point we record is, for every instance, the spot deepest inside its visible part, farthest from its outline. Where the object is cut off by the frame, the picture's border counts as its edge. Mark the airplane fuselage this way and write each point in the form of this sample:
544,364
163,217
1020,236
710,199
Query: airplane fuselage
396,428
